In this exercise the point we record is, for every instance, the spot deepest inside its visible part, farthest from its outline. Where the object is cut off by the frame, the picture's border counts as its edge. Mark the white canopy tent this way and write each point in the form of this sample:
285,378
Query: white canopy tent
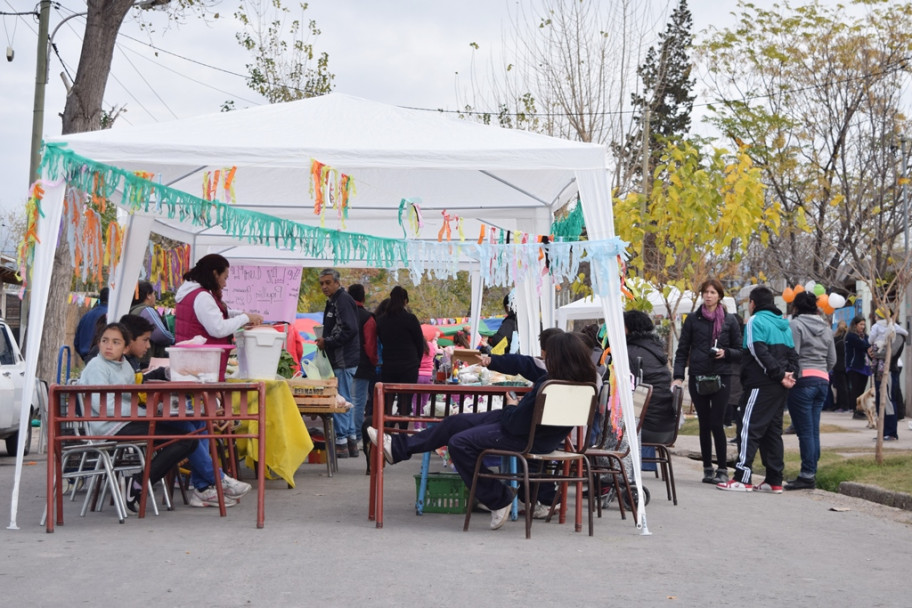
506,179
591,308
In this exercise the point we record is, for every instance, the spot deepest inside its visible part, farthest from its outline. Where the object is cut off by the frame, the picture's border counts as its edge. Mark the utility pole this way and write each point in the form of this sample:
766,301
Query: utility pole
41,71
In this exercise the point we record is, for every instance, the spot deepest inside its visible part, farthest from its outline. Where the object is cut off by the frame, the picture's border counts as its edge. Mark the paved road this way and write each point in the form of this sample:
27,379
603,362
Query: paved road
713,549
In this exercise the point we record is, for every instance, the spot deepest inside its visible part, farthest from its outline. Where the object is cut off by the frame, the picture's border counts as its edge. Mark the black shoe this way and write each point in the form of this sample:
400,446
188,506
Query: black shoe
790,430
733,440
132,495
342,450
856,415
721,476
709,475
352,447
801,483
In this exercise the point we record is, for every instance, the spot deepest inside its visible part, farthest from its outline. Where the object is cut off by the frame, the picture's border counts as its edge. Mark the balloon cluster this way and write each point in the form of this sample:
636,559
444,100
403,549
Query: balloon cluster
826,303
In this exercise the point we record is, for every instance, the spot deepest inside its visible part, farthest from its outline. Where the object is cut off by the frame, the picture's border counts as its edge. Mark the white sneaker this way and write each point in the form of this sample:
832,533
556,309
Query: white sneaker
208,498
387,443
499,516
233,488
540,511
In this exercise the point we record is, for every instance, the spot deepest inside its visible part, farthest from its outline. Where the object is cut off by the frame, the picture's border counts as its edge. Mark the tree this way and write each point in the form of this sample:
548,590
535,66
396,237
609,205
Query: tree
83,112
567,69
285,66
816,95
702,211
662,108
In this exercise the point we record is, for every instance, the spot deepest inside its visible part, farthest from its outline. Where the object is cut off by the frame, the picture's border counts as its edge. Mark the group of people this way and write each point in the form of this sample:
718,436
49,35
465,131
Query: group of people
117,358
783,363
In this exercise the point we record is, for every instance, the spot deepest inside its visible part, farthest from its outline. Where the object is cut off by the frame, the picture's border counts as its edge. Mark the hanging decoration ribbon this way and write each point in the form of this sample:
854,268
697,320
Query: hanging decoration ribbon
445,228
410,215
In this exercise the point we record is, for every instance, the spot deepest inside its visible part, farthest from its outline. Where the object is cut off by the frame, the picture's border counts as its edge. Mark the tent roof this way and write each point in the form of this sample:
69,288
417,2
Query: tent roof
504,178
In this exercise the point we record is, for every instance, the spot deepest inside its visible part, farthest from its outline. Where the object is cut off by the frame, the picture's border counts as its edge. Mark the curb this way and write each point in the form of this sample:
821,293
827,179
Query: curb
899,500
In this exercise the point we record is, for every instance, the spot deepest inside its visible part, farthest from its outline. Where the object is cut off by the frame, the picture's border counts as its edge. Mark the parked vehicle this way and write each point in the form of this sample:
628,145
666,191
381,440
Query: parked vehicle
12,373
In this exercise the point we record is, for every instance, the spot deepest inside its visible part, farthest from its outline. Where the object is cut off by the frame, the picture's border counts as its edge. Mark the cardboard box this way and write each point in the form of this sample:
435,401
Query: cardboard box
469,355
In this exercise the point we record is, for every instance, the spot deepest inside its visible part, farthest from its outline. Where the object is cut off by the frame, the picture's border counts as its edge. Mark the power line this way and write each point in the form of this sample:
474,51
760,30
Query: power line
151,88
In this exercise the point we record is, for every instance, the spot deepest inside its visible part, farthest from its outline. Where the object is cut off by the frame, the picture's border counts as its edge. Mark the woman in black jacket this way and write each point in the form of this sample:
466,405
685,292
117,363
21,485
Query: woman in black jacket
402,345
710,342
646,354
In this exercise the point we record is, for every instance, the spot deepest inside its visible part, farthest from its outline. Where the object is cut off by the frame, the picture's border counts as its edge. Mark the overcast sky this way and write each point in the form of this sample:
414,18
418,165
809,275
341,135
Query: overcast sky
404,52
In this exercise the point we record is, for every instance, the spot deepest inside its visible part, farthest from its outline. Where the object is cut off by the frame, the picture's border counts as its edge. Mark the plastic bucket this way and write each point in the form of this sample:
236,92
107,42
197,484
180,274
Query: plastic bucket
259,350
194,363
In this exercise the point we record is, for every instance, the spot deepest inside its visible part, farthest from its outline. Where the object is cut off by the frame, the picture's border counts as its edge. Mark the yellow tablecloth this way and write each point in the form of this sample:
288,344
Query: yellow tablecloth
287,441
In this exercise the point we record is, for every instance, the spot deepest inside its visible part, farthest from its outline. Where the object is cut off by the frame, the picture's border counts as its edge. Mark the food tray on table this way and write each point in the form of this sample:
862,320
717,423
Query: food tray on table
510,383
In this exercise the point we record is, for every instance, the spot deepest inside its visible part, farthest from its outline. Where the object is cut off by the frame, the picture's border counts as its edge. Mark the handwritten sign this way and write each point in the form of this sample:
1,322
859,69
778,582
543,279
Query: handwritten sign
271,291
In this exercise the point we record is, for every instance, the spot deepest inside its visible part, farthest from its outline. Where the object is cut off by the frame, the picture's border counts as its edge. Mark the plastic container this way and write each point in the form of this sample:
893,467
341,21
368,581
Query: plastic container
446,493
259,350
194,363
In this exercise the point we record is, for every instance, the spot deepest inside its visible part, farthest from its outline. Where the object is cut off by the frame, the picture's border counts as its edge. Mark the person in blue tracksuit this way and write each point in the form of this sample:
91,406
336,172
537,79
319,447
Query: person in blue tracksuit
768,369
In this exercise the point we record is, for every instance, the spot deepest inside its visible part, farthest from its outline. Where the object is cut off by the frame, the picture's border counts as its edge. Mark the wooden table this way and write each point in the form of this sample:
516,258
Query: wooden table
308,406
65,413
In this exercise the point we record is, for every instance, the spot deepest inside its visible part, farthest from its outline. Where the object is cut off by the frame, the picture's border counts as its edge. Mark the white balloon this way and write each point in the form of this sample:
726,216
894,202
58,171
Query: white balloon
809,286
836,300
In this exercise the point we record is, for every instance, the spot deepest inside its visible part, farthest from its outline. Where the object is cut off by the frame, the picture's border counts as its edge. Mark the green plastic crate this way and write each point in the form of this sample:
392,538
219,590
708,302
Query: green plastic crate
446,493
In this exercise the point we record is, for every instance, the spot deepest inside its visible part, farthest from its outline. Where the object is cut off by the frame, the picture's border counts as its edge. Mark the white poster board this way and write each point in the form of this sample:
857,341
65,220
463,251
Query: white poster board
271,291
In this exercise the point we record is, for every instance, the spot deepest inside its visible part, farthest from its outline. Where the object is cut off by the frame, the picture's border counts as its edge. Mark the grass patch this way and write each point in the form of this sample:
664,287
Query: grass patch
692,427
834,468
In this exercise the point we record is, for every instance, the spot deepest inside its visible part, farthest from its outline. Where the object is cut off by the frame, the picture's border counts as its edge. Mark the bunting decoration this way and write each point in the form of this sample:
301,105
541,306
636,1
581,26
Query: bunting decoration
330,188
25,253
212,181
501,260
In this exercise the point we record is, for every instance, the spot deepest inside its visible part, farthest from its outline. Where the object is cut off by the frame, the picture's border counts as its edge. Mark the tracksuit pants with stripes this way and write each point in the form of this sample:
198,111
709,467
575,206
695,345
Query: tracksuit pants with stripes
762,429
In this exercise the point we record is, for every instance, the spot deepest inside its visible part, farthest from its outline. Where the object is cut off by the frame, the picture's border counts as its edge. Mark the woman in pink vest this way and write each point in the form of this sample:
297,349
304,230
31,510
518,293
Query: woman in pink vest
200,310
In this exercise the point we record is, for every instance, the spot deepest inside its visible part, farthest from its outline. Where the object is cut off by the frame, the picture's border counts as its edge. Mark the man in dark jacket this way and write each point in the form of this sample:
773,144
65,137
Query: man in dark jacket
768,370
342,346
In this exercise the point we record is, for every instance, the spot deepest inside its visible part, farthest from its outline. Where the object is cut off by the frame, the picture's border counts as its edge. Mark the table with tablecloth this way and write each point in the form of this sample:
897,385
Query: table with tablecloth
287,441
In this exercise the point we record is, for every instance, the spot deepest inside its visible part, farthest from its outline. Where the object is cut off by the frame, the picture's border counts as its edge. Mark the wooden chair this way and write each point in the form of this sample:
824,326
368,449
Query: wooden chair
612,460
558,403
663,454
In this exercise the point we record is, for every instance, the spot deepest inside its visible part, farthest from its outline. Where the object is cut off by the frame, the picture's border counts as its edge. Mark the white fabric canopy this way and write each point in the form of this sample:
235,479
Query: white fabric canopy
508,179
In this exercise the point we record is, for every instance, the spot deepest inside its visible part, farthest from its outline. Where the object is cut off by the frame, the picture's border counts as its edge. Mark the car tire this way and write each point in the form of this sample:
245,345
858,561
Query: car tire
12,442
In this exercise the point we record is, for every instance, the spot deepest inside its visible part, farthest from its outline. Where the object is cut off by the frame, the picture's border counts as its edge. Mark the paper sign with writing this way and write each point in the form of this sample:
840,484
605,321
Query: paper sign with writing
271,291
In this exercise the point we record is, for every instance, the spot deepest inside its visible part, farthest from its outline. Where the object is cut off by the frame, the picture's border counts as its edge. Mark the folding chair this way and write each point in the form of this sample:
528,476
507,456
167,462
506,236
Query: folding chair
558,403
607,460
663,454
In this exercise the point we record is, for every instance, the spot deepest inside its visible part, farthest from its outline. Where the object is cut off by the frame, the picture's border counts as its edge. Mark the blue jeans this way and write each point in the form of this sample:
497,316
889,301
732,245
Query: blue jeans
805,400
202,471
345,423
360,386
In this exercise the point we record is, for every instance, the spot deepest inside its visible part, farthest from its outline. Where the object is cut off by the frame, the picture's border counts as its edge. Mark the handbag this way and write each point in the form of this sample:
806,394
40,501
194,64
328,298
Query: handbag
708,385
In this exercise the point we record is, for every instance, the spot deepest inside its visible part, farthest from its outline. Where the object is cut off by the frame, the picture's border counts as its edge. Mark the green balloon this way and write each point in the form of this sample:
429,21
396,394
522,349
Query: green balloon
819,290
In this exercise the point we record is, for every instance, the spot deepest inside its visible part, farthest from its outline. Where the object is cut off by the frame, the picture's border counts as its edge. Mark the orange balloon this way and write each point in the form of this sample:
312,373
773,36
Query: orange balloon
828,309
823,301
788,295
798,289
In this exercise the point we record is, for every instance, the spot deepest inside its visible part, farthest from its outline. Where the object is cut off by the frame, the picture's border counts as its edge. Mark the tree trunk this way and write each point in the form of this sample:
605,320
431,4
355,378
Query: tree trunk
82,113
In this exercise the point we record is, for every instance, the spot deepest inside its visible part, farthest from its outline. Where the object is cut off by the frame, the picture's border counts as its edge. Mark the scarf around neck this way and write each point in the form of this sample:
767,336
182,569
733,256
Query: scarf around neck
717,317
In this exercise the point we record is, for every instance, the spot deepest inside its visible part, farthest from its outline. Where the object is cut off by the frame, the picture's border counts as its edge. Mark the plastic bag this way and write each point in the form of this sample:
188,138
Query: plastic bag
318,369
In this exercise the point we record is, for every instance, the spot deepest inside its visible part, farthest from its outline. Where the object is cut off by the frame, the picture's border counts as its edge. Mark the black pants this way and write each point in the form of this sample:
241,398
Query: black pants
761,428
165,458
711,416
839,382
858,383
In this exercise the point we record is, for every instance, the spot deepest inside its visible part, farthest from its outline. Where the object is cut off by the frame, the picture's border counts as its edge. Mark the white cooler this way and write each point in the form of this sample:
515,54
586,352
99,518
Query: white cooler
259,350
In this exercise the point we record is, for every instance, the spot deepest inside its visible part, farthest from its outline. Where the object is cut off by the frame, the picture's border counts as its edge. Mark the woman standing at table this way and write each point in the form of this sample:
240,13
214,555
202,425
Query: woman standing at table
402,342
200,310
710,343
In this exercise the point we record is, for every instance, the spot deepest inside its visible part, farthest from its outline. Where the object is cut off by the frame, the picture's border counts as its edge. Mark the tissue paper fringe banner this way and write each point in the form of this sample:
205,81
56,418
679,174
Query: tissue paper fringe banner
501,264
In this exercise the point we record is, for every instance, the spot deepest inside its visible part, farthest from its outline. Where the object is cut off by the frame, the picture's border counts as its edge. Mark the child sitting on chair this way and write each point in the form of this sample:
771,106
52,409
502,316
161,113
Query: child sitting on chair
202,471
111,368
